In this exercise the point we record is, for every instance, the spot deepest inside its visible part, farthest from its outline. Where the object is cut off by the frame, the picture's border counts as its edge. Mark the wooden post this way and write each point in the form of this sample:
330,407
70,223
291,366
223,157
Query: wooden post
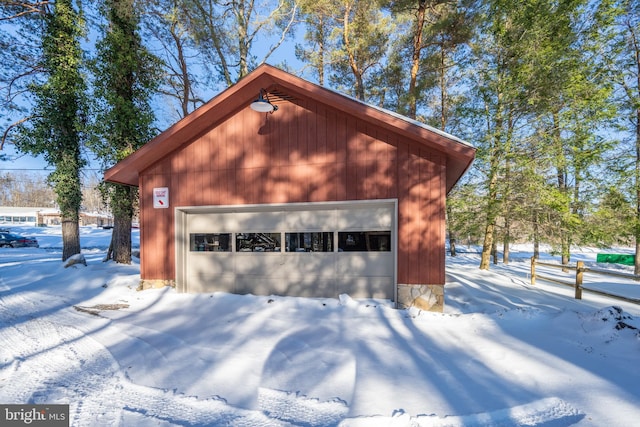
579,274
533,270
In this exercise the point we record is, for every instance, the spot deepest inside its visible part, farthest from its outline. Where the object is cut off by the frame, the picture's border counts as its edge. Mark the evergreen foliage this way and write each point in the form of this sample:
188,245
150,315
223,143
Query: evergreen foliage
126,76
56,126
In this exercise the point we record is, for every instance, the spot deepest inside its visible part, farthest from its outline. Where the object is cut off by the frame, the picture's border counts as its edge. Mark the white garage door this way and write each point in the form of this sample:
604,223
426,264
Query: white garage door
310,249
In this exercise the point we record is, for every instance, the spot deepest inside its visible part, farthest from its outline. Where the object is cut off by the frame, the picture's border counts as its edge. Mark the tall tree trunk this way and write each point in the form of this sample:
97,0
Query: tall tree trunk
57,129
243,43
444,115
70,237
415,57
185,95
536,236
452,236
321,50
493,202
507,239
485,259
506,197
637,184
494,246
69,197
561,175
121,239
122,200
634,94
128,78
353,63
637,171
490,229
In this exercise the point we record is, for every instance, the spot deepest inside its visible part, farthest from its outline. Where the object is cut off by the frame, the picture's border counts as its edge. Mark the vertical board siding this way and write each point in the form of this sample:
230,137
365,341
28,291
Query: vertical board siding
156,261
414,224
440,197
304,152
404,231
427,257
329,127
303,144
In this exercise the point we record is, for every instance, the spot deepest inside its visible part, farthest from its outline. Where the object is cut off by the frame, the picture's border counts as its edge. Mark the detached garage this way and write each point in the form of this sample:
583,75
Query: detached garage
279,186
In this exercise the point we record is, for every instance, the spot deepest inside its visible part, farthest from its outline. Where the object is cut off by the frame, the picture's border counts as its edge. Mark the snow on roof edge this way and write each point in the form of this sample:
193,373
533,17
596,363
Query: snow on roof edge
402,117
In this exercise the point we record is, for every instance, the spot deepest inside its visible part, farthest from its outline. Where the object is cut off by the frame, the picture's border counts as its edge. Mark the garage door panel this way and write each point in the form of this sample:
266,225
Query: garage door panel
285,265
319,220
309,264
212,264
378,218
365,264
328,270
207,223
236,222
258,264
204,281
311,287
367,287
256,221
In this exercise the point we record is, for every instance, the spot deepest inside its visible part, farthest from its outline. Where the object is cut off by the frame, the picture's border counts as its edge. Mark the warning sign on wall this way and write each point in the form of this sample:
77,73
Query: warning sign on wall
161,197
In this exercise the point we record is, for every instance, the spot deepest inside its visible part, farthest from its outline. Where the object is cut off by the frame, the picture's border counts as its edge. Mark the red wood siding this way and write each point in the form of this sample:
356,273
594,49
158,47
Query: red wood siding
304,152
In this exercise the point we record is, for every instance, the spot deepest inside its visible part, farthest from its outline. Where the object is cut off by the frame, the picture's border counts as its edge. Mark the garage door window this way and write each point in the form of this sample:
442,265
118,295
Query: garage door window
309,242
258,242
364,241
210,242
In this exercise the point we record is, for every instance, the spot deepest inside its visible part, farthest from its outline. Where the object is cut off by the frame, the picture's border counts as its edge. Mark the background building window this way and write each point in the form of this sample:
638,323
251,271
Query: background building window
210,242
309,242
364,241
258,242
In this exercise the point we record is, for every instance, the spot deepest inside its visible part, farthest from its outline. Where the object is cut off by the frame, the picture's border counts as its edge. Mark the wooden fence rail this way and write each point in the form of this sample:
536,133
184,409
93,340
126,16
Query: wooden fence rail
580,269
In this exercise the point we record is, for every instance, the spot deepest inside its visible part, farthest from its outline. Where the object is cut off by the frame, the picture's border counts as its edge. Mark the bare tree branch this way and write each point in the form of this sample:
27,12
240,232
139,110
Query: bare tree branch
285,30
5,135
28,8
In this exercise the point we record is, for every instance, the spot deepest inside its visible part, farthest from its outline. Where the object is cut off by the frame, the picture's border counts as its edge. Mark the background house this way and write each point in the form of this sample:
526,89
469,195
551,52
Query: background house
18,215
42,216
326,195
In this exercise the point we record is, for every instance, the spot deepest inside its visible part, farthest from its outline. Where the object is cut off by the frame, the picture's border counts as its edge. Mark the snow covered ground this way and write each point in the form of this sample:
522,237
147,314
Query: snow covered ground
504,353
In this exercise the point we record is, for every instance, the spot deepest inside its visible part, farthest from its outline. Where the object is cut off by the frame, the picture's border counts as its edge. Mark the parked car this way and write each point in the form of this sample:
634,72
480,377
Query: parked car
10,240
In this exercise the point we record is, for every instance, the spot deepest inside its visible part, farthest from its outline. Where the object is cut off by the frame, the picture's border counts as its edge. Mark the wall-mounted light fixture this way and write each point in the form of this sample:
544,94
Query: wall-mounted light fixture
262,104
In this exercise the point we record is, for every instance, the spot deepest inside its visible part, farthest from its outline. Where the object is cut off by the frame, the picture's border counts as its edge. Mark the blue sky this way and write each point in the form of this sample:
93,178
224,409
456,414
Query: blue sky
19,162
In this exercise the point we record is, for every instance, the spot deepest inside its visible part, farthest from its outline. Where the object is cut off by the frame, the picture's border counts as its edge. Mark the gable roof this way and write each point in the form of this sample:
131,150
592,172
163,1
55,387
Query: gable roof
280,84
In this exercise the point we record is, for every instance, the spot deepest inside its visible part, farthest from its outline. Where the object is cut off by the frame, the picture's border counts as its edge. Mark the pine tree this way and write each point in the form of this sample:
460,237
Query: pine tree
548,96
625,67
319,19
426,53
